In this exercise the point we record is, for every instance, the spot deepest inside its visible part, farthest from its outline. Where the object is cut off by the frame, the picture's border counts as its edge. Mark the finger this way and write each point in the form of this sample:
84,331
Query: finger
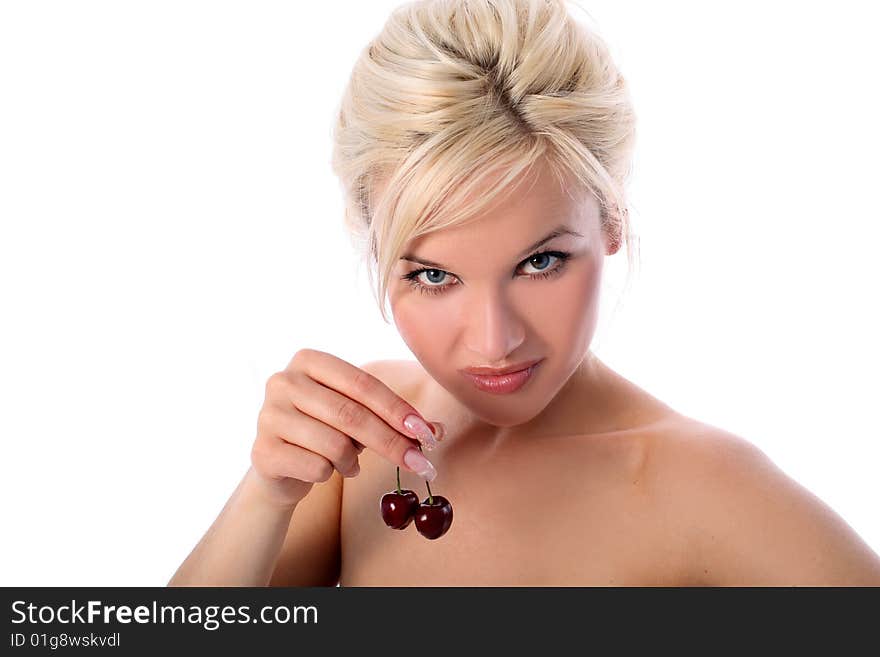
297,428
370,391
349,417
279,458
439,430
359,405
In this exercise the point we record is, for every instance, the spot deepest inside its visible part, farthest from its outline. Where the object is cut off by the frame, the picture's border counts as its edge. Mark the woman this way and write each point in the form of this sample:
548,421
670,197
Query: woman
483,148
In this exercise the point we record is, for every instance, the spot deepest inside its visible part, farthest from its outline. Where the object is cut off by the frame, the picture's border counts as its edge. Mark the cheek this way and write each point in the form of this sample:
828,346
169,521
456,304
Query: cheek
566,310
569,295
409,327
417,322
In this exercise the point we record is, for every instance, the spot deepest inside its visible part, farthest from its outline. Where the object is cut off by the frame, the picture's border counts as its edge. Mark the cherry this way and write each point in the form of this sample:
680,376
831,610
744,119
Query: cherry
398,507
434,516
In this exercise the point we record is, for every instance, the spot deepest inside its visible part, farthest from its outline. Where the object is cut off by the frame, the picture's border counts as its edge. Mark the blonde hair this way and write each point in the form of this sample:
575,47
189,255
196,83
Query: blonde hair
451,92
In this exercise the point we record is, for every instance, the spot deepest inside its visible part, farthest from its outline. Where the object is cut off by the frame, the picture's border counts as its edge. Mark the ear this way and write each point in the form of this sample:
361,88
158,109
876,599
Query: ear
611,236
612,246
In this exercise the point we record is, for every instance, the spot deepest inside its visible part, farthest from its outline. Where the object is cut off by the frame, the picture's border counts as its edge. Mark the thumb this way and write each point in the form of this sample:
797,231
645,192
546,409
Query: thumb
439,430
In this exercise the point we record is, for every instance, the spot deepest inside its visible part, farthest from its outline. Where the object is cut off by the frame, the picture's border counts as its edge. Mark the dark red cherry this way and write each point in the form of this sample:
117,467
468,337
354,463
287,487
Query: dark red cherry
433,520
398,508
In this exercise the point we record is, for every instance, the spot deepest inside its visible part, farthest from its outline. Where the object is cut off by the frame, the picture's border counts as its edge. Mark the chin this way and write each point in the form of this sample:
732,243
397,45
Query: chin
502,411
507,421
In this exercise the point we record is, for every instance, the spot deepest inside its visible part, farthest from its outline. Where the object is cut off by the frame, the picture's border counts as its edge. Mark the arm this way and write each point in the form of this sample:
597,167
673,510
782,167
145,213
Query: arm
756,526
254,541
311,554
257,542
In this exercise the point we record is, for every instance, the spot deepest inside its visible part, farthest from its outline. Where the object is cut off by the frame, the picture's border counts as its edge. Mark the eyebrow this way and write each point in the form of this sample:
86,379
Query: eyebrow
556,232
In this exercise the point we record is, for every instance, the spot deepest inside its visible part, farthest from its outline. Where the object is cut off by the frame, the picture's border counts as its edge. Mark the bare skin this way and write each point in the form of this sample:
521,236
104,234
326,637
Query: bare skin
644,497
557,510
579,478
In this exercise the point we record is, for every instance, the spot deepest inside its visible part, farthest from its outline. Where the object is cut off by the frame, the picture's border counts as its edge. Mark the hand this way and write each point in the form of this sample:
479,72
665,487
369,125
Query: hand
318,415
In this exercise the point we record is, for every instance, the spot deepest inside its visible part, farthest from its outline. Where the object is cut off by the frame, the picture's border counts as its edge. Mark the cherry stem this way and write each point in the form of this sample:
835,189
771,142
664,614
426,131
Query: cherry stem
398,479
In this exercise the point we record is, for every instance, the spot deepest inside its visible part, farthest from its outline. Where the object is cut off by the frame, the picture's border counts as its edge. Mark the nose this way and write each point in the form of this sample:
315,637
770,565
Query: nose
494,328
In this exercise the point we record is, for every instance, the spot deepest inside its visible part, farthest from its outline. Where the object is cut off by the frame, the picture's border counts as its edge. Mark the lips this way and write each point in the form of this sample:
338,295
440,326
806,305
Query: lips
489,371
504,383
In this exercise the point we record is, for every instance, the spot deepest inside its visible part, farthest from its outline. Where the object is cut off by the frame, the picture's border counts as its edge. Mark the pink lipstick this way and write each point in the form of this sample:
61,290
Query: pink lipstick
506,383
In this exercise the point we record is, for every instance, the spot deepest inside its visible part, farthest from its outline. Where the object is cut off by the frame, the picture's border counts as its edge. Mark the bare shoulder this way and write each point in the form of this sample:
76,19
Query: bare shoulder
743,520
404,377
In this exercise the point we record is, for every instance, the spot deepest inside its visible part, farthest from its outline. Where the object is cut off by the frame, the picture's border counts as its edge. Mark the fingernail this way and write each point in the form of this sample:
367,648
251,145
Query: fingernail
420,430
415,460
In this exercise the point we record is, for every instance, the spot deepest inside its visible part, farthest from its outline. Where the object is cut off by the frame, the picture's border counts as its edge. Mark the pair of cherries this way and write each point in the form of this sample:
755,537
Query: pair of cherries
400,507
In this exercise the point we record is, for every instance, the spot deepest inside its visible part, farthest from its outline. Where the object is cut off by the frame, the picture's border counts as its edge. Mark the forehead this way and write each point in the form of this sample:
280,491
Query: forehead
515,219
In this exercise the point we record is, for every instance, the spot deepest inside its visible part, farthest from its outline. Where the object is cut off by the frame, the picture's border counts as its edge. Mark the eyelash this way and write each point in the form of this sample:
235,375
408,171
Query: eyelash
412,277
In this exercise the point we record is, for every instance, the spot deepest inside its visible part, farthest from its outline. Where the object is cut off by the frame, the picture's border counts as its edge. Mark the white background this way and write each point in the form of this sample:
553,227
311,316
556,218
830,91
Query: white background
172,234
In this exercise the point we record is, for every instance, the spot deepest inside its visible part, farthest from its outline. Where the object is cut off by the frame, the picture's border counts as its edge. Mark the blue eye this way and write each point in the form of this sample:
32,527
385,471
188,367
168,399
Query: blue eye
541,257
538,261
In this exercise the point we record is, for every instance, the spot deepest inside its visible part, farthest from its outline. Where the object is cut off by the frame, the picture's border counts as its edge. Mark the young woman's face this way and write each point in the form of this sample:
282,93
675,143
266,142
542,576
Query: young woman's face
490,298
